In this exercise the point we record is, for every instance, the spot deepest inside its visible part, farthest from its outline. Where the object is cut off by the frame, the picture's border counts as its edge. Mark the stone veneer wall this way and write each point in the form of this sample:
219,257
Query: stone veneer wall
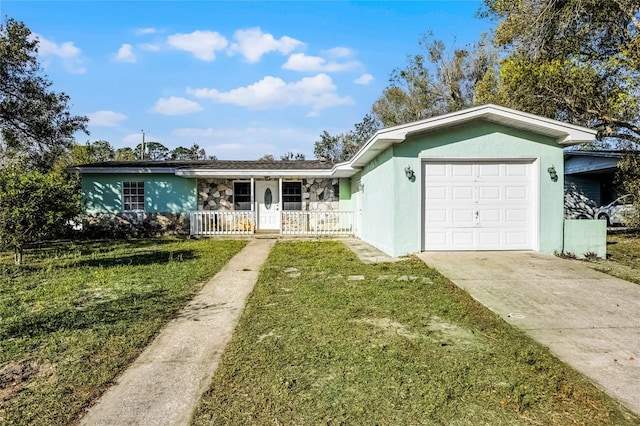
317,194
133,224
320,194
215,194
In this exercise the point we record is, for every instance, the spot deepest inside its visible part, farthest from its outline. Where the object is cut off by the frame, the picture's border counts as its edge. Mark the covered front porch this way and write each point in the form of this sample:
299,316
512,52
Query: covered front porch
290,205
316,223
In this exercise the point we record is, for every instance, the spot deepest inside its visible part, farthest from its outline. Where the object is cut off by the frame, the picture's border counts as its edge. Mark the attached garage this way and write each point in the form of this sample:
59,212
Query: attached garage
479,205
484,178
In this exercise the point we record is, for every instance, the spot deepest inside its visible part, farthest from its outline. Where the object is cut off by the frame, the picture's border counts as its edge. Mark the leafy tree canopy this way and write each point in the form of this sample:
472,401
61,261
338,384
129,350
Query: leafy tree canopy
193,153
154,151
573,60
343,146
267,157
34,206
435,82
125,154
290,156
35,123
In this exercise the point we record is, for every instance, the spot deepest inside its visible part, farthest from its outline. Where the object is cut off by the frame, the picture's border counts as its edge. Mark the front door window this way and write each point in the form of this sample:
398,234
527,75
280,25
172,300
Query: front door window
268,198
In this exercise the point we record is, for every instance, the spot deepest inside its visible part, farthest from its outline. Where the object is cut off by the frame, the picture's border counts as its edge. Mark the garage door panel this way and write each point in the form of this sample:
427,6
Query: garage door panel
478,206
489,193
488,170
462,217
516,170
464,193
462,170
436,193
516,192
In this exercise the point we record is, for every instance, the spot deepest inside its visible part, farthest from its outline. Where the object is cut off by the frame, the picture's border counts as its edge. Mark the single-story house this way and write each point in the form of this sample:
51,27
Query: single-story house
593,174
484,178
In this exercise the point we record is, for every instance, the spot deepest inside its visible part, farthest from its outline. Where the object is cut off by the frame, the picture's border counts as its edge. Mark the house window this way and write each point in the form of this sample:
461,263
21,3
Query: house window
242,195
292,195
133,196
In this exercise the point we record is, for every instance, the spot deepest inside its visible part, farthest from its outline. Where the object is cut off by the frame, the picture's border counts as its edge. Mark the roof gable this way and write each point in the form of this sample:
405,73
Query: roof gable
564,134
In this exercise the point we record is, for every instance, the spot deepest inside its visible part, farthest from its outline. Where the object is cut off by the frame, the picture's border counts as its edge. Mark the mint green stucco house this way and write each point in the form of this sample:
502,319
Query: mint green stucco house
485,178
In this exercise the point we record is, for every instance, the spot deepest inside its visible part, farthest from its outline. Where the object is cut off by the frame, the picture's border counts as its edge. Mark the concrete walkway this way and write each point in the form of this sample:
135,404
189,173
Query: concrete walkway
163,385
366,252
588,319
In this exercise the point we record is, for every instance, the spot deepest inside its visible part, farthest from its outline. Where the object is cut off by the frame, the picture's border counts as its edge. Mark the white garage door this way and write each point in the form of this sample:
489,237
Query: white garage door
479,206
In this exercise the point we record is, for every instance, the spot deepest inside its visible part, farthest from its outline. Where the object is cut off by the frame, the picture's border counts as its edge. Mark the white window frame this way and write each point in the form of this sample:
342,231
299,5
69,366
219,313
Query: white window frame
128,197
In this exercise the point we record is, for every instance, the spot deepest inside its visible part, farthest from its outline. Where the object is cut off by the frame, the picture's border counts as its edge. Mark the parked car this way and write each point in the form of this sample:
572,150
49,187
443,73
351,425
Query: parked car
615,213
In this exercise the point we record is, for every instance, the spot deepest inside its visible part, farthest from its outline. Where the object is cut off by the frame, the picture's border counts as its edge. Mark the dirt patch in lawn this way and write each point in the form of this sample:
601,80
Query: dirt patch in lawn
17,375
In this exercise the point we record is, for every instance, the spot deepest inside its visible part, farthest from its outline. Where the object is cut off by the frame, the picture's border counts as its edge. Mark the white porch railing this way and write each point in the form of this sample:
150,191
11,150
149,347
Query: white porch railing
317,222
215,222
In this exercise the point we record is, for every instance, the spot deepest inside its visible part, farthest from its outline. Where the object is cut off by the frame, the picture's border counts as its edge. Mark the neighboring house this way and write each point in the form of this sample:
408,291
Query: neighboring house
485,178
590,180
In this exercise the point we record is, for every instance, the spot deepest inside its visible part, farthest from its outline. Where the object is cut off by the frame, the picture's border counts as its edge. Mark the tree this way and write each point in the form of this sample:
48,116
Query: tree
290,156
434,83
629,179
343,146
572,60
267,157
193,153
34,206
35,123
153,151
125,154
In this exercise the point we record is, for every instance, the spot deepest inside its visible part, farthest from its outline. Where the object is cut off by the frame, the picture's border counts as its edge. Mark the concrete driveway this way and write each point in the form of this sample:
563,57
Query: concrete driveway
588,319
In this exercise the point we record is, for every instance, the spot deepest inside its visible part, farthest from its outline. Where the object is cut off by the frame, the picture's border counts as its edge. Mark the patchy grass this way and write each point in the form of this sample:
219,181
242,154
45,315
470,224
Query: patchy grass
623,256
326,339
76,314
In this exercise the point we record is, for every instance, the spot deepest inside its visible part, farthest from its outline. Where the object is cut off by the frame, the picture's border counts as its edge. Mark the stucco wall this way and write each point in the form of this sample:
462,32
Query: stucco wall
164,193
378,202
392,218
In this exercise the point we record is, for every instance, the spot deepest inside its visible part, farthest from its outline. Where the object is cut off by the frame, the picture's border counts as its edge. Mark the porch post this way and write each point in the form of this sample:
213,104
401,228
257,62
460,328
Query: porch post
253,198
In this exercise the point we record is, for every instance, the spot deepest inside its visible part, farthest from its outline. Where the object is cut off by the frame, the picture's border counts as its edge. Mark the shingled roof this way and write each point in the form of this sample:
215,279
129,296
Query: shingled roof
213,164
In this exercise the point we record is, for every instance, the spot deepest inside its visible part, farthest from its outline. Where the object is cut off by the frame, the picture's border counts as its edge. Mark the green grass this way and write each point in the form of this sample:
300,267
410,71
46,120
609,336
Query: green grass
76,314
402,346
623,256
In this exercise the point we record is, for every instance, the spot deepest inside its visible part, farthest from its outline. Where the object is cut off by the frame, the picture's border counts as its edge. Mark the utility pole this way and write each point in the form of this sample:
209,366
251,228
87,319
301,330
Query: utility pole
142,153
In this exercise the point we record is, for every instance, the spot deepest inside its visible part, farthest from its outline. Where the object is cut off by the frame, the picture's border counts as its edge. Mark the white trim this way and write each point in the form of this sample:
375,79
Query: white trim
563,133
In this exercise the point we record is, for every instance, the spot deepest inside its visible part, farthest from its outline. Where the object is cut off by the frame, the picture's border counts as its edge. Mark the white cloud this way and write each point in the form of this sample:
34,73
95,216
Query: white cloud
317,92
70,55
340,52
126,54
364,79
106,118
202,44
175,106
306,63
144,31
150,47
240,143
253,43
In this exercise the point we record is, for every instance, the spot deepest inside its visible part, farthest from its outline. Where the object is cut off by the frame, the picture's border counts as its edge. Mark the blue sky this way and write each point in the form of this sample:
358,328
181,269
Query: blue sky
242,79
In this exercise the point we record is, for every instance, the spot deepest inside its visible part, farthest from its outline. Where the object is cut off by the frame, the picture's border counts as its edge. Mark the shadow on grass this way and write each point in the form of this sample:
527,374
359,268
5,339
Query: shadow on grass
89,246
138,259
141,306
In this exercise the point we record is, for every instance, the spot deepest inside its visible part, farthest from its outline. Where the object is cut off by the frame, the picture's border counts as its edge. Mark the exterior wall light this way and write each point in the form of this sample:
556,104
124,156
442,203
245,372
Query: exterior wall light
552,173
411,175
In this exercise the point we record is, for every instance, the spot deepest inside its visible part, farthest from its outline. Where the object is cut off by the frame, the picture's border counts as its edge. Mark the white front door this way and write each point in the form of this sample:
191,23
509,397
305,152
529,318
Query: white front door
268,204
479,205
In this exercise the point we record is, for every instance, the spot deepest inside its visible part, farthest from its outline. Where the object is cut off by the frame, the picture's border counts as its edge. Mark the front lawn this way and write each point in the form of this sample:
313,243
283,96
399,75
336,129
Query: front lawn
623,256
77,314
326,339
